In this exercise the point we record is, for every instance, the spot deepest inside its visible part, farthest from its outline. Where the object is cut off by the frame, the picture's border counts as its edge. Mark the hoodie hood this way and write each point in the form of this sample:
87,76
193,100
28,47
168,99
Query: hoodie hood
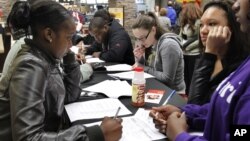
170,35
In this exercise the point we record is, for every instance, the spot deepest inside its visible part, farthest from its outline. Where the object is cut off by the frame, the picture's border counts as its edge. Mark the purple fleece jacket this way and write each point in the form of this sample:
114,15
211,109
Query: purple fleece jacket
229,105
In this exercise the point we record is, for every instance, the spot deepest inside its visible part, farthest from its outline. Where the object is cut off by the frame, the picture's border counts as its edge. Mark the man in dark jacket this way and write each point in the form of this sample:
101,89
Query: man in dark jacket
113,43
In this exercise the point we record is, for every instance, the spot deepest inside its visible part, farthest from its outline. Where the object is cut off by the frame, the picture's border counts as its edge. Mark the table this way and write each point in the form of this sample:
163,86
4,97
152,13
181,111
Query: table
151,83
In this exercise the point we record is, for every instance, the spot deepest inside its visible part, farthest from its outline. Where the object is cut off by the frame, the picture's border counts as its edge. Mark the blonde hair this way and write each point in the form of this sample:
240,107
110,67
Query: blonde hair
163,12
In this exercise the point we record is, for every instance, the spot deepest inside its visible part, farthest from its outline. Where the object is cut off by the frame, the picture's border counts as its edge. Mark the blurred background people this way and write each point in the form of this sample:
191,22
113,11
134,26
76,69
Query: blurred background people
164,21
189,31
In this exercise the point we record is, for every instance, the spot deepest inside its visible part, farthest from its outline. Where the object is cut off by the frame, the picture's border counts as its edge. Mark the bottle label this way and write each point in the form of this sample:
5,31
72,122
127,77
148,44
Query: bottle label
138,94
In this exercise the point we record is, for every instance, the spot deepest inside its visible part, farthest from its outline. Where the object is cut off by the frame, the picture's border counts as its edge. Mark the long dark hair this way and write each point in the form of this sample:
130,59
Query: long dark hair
16,26
40,14
237,47
147,22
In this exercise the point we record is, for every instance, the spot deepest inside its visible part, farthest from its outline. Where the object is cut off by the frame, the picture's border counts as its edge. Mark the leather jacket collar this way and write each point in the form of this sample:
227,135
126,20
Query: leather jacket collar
46,53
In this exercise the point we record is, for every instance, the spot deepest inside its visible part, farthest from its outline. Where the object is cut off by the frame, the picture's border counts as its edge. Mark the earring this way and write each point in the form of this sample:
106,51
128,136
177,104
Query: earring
50,40
248,15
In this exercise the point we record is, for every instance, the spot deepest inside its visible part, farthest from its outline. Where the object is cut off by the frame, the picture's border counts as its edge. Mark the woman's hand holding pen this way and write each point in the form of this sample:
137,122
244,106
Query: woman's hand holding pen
176,125
111,128
160,116
80,58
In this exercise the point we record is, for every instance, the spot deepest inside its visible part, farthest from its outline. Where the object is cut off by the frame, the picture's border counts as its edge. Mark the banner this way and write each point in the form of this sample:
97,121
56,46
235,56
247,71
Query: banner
118,14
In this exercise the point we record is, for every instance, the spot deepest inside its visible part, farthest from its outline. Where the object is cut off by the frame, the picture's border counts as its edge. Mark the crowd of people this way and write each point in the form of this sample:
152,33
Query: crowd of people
207,61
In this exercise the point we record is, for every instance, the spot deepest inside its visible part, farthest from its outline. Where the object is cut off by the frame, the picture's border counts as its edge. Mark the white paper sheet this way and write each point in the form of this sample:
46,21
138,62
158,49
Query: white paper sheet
138,127
119,67
95,109
111,88
129,75
94,60
74,49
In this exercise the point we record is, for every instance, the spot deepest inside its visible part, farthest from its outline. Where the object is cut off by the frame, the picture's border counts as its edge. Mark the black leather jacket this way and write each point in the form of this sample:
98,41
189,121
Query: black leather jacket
33,94
202,85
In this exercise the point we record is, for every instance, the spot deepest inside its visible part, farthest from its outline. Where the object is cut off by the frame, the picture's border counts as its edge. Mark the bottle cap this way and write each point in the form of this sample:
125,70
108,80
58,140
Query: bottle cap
138,69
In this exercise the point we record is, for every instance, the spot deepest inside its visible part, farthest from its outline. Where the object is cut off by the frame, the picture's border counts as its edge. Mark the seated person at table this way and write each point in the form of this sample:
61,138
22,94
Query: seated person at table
84,36
33,93
113,43
231,100
168,64
216,62
18,35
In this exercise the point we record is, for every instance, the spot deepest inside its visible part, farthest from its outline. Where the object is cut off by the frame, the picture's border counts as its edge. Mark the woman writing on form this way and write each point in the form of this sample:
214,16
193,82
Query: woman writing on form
35,89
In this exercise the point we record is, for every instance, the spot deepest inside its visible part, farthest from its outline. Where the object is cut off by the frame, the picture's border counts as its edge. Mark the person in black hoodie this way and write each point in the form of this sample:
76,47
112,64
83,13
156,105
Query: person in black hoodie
113,43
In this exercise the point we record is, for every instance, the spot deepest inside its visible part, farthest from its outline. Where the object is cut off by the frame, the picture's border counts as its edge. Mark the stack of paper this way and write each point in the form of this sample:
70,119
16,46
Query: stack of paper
129,75
140,126
111,88
119,67
95,109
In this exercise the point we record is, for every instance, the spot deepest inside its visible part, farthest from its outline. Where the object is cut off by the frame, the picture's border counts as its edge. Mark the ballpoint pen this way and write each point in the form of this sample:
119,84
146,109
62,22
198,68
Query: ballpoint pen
116,114
170,96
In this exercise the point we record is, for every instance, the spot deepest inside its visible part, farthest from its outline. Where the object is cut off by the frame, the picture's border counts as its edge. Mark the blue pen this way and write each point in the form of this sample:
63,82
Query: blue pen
171,95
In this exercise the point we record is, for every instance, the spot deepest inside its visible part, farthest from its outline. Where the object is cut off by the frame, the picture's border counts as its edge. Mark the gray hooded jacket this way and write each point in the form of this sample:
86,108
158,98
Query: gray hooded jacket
168,65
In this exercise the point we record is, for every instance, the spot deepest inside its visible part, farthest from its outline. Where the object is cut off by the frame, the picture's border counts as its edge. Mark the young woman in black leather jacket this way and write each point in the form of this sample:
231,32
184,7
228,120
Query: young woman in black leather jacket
216,62
35,89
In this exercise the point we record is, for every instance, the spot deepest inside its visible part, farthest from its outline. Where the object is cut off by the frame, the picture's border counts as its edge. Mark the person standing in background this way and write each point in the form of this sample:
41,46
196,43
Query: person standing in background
171,14
189,32
164,21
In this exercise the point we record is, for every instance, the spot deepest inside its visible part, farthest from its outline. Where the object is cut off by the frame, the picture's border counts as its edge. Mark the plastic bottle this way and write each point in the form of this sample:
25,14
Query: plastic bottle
138,87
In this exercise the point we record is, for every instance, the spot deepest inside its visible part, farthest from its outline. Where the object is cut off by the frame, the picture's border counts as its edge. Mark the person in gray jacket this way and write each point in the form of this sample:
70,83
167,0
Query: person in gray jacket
166,60
35,89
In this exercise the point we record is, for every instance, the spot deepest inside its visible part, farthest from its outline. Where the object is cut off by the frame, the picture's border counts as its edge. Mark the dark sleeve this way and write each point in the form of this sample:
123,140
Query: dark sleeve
71,78
96,47
118,45
199,87
196,115
27,93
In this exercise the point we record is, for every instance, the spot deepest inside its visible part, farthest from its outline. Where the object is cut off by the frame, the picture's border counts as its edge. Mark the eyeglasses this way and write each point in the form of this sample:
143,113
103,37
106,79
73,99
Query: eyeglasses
143,39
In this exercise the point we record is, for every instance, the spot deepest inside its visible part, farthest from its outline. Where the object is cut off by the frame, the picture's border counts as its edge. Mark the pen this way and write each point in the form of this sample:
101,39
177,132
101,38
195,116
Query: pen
116,114
114,77
167,100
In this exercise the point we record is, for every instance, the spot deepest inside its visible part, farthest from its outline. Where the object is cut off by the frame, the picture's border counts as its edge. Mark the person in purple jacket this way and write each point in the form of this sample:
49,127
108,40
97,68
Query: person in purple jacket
229,104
